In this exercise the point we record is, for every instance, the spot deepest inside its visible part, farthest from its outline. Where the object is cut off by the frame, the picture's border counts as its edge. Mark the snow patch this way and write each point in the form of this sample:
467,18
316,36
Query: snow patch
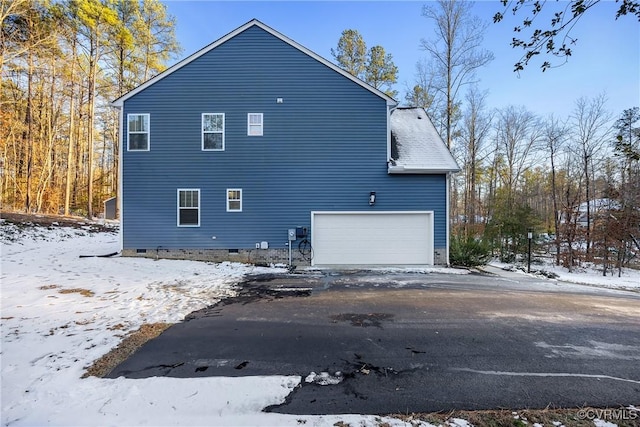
601,423
588,275
419,146
458,422
324,378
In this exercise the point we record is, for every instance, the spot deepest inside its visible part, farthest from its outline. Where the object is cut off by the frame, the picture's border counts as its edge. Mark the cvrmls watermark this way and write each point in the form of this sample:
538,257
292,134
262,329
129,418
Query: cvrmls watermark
623,414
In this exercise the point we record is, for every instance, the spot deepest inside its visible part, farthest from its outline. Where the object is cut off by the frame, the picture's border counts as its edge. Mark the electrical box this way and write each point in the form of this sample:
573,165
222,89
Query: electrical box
264,245
301,232
291,234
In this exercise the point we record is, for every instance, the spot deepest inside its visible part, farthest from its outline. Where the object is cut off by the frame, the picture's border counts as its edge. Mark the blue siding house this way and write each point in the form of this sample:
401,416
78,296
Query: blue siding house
256,149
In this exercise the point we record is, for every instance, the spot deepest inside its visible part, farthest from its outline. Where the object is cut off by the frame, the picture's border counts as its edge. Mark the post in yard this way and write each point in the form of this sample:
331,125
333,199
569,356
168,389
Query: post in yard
529,236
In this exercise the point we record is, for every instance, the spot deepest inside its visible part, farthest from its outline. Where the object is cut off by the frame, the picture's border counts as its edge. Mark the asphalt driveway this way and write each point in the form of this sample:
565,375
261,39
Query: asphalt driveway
399,342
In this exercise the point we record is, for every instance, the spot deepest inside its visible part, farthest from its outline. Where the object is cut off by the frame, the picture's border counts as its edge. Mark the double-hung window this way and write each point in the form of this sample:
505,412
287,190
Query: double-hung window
138,132
188,208
213,131
234,200
254,124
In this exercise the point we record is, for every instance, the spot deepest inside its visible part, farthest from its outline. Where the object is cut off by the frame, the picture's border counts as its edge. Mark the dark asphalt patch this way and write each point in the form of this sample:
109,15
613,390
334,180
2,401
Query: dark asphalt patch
363,320
242,365
249,291
433,347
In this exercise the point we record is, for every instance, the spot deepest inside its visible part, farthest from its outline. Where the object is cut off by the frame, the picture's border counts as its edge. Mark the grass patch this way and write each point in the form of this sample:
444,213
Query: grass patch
124,350
81,291
571,417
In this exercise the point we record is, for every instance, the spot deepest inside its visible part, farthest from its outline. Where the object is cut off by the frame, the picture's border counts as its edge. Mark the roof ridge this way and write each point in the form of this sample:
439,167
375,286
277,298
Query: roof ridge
275,33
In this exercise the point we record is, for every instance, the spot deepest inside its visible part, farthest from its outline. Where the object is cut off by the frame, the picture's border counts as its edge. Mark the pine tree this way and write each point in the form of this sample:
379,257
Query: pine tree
351,53
380,70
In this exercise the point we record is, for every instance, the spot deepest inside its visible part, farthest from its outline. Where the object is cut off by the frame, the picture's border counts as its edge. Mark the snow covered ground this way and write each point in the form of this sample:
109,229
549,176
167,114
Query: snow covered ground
629,279
61,312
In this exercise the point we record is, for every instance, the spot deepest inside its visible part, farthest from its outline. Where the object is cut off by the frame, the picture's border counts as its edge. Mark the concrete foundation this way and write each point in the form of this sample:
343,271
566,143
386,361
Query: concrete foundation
248,256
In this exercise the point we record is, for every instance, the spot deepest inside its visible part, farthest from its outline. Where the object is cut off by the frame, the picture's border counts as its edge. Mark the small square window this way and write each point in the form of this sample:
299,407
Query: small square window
213,131
138,132
234,200
188,208
254,124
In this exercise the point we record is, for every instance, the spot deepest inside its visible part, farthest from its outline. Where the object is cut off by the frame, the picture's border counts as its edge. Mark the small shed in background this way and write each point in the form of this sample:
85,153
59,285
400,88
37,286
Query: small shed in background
110,208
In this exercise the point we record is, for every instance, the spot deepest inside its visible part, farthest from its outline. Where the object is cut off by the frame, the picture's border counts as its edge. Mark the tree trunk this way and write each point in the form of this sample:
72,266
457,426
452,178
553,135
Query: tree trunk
28,136
93,65
556,213
71,139
588,197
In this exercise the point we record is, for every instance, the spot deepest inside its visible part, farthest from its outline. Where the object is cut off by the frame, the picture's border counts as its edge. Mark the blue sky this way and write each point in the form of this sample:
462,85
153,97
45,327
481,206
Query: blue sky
606,58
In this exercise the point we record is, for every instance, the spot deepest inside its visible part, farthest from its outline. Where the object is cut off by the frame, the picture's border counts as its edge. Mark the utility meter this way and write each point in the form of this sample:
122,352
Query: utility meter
291,234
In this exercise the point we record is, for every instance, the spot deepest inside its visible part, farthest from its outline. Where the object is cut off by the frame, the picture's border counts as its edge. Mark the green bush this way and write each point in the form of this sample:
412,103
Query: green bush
468,251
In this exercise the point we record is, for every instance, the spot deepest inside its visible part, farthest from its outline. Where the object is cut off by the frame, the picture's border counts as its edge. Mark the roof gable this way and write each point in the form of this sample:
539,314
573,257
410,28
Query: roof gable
253,23
416,146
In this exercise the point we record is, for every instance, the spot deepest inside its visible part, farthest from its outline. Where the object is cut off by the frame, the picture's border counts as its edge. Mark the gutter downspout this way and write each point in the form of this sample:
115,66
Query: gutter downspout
390,109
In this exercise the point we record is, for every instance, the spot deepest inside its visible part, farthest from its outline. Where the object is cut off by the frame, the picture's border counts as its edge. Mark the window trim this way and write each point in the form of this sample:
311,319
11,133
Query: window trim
203,131
148,132
234,200
261,115
179,207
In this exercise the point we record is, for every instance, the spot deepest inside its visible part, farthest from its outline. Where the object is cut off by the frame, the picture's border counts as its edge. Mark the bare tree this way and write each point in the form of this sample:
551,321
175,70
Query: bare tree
475,132
627,150
554,36
456,51
424,94
555,133
590,134
570,184
519,135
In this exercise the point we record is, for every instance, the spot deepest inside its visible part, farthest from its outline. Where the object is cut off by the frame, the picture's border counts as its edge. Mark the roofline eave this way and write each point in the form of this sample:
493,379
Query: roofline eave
119,102
399,169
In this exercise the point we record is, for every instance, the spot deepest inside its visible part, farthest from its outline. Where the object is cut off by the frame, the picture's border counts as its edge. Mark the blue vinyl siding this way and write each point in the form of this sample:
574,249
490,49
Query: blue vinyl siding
323,149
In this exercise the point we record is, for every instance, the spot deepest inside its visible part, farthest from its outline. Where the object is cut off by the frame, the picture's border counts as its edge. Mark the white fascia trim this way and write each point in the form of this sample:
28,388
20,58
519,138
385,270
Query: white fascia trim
254,22
120,199
415,170
369,212
389,111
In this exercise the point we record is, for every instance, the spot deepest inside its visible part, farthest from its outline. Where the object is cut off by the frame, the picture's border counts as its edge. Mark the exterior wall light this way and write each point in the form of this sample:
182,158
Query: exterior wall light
372,198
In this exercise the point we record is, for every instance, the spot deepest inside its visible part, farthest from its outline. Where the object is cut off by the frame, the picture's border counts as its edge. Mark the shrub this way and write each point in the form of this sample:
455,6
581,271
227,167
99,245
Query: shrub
468,251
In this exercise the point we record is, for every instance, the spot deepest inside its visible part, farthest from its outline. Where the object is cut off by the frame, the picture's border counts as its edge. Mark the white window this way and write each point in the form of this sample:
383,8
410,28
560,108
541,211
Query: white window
188,208
254,124
138,132
213,131
234,200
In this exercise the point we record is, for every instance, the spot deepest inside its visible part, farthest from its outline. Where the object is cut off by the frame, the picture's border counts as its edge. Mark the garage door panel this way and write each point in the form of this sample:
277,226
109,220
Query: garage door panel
372,238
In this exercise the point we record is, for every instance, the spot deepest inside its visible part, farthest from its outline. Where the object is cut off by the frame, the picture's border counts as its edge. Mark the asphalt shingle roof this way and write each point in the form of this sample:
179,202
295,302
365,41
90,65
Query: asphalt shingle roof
416,146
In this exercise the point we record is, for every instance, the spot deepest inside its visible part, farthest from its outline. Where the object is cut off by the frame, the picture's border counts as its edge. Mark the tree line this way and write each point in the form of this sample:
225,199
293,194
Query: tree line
574,180
61,63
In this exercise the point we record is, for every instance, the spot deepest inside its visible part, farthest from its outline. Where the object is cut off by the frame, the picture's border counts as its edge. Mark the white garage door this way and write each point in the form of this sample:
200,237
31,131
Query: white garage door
372,238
